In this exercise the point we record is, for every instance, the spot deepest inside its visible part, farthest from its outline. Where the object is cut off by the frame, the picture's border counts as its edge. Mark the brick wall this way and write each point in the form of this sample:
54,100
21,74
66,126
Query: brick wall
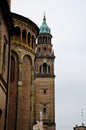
12,109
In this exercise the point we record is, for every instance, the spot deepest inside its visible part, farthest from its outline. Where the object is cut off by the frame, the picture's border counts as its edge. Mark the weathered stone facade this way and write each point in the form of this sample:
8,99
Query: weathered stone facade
22,73
26,74
5,30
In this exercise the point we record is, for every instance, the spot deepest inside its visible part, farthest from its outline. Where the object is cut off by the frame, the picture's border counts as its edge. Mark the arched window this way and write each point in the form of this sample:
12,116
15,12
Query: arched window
39,39
44,39
49,40
12,68
44,68
44,109
29,39
32,41
24,36
17,33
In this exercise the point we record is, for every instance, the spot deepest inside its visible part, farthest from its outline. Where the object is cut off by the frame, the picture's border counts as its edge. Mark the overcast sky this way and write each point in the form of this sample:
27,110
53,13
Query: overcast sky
67,20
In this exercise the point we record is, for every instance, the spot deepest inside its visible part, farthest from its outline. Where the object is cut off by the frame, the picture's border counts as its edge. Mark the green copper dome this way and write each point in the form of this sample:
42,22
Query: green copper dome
44,27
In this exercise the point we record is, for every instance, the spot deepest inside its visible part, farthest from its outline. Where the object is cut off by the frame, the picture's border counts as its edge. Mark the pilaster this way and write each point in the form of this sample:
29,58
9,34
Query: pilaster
19,93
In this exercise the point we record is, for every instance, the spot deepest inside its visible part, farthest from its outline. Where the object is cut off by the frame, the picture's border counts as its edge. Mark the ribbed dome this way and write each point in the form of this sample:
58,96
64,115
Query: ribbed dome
44,27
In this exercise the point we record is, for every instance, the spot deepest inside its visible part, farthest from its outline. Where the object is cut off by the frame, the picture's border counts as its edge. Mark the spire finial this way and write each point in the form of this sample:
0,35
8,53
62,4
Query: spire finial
82,114
44,14
44,19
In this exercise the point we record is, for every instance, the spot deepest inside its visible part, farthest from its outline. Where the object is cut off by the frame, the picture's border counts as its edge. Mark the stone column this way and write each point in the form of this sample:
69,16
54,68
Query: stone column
19,91
26,39
21,35
32,96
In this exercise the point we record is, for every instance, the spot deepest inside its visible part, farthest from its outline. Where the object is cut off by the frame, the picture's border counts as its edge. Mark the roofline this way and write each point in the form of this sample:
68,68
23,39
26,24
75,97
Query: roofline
25,19
45,33
79,126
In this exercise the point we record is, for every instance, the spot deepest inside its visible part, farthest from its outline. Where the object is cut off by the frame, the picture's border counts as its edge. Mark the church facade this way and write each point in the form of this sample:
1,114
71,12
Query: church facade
27,79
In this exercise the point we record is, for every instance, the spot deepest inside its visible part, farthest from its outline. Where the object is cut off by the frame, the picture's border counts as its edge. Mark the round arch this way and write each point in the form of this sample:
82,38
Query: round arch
29,57
17,32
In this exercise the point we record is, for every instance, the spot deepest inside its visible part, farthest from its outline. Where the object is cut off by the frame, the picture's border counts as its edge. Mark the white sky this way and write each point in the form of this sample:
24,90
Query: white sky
67,20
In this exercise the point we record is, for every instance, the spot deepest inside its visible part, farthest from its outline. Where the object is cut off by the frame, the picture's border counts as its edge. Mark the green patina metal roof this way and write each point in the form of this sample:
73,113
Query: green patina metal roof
44,27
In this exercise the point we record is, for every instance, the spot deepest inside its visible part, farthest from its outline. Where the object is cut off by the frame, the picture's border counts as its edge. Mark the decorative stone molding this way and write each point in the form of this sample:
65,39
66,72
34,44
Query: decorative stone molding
24,25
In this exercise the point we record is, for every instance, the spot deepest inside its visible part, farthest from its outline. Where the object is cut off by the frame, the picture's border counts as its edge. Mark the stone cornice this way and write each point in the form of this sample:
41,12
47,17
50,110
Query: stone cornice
44,75
26,20
46,56
19,45
48,123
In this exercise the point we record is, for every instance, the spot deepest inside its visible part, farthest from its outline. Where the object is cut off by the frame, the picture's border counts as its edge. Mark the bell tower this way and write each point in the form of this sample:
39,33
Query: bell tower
45,77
